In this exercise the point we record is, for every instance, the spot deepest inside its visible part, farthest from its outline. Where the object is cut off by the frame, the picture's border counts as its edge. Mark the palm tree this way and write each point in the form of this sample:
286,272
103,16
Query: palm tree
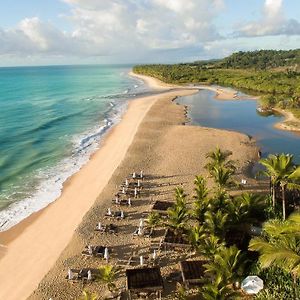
180,195
153,220
227,265
200,189
282,172
222,176
216,223
210,245
218,291
219,158
245,208
198,210
177,216
280,245
88,296
202,202
196,236
108,275
287,181
219,200
270,163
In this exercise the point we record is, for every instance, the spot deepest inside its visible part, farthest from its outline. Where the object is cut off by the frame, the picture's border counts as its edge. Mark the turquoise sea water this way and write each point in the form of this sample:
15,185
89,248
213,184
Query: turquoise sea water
51,120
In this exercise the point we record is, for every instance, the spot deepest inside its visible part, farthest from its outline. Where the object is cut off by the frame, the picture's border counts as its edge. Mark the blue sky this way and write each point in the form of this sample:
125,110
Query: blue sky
35,32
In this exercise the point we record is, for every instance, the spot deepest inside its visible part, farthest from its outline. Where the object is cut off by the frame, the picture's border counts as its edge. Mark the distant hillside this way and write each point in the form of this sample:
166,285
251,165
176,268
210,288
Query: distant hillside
261,60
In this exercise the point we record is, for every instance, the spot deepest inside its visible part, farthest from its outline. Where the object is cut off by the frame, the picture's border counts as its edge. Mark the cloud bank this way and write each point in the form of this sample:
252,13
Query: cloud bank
111,27
144,30
272,22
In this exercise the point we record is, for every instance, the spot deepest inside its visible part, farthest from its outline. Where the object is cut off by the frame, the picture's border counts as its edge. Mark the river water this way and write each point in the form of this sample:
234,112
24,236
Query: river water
242,116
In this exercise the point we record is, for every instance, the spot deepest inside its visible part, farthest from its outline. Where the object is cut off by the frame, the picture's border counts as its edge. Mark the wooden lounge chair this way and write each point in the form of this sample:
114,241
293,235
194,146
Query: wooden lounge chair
96,251
122,202
116,215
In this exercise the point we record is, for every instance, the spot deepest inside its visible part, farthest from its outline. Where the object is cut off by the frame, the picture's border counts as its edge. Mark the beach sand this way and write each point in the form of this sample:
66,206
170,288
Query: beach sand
290,122
222,93
151,137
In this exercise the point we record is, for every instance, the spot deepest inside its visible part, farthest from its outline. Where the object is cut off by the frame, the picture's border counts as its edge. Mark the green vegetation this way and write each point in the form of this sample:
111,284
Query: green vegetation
262,59
178,214
89,296
280,247
108,275
235,235
273,74
283,173
280,284
218,226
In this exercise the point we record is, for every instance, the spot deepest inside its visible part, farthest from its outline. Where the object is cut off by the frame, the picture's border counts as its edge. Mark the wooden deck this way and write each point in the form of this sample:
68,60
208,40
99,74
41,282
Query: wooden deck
192,271
144,281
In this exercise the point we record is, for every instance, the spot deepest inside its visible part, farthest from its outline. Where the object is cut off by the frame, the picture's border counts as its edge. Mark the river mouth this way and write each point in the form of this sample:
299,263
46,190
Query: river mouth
241,116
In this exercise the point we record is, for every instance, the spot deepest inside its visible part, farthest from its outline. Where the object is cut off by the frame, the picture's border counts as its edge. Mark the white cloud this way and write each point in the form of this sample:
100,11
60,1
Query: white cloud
137,30
273,22
117,27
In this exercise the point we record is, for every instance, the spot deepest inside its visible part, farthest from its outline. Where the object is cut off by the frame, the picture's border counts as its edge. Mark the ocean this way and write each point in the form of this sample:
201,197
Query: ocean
51,120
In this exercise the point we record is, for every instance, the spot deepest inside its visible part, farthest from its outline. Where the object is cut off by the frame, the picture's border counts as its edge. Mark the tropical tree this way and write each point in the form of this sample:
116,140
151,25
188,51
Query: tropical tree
219,158
245,209
222,176
227,265
201,191
153,220
210,245
218,291
89,296
216,223
108,275
288,181
280,245
202,202
219,201
282,172
196,236
271,170
177,216
198,210
180,195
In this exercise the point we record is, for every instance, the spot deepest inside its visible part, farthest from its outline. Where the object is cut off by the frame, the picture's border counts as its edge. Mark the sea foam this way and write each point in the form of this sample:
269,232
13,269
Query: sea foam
51,180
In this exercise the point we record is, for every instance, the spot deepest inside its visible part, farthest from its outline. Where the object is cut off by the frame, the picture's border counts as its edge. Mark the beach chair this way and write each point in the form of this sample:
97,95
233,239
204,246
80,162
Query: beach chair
112,228
72,275
101,228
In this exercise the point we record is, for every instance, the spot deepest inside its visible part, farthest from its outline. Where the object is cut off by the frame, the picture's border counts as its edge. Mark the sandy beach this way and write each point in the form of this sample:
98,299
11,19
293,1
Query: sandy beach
151,137
290,122
38,246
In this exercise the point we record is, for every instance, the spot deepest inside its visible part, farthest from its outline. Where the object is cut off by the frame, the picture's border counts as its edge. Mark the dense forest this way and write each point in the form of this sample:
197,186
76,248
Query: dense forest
273,74
262,59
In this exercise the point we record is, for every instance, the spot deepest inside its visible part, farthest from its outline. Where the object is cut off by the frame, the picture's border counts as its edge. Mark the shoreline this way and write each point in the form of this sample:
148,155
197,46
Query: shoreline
160,130
289,123
223,93
51,236
47,232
